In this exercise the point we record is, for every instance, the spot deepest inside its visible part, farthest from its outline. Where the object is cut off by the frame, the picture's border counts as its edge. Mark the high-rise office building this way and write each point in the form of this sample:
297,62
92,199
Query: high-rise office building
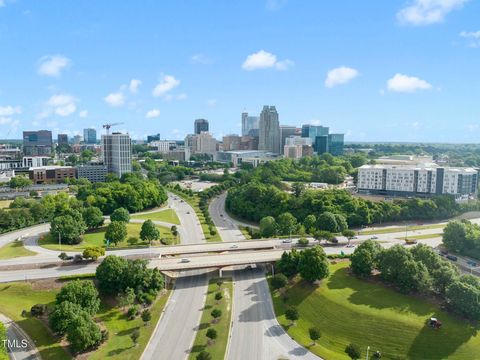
151,138
269,131
62,139
200,125
37,142
205,143
90,136
335,144
117,153
286,131
249,123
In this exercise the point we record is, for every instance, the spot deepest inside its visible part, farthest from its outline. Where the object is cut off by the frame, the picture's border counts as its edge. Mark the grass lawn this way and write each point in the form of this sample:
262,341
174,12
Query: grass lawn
96,238
245,233
168,215
14,249
119,345
193,202
3,349
5,203
218,348
349,310
401,229
15,297
422,237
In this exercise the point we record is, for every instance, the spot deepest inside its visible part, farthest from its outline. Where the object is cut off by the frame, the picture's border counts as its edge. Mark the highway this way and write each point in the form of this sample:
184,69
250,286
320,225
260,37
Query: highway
177,328
255,333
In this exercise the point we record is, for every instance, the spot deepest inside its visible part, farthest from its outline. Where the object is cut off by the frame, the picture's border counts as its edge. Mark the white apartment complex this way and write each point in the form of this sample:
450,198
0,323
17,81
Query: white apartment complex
117,153
416,180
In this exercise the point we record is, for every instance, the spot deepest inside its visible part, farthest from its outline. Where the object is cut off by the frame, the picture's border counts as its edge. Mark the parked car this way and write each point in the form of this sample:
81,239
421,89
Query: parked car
452,257
185,260
471,263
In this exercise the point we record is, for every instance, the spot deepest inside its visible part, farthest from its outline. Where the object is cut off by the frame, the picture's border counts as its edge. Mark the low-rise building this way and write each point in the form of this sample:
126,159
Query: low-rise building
92,172
391,180
51,174
253,157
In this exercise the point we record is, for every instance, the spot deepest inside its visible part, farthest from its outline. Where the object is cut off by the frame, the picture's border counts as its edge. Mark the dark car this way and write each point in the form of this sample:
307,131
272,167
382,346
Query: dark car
451,257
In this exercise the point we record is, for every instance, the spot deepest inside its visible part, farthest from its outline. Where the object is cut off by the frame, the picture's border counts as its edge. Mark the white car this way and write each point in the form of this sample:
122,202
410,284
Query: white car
286,241
234,247
185,260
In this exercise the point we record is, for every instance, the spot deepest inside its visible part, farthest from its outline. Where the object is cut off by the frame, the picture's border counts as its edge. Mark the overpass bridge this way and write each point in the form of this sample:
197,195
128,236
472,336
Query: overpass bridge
217,247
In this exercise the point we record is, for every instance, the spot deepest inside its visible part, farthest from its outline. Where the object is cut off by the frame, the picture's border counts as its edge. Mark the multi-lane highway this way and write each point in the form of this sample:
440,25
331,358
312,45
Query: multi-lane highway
175,333
255,333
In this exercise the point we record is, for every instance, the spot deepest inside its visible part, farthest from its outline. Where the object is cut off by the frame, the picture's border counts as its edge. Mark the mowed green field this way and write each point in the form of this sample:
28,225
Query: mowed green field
14,249
347,309
15,297
168,215
97,238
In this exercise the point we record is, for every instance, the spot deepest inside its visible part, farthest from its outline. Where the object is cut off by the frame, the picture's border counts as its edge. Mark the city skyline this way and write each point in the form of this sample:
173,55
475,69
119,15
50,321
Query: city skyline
407,76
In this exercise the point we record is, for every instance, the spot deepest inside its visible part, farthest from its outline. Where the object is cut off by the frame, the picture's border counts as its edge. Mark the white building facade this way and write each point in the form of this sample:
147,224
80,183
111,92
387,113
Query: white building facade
117,153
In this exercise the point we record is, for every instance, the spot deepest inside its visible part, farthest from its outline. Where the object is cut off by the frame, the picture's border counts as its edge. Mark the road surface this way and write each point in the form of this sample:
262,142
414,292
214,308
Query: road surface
176,331
255,333
21,346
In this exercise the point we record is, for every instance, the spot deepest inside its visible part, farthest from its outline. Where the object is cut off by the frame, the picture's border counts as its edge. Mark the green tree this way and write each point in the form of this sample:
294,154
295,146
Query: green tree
62,315
149,231
455,235
298,189
116,232
288,263
218,296
126,298
313,264
19,182
93,217
212,334
279,281
216,313
121,215
146,316
464,298
364,258
82,293
93,252
310,223
327,221
291,313
268,226
286,223
68,228
348,233
203,355
323,235
443,276
353,350
314,333
341,223
83,333
110,275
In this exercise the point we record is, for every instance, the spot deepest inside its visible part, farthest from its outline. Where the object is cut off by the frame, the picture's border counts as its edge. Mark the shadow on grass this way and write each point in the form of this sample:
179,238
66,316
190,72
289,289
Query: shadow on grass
119,351
376,295
198,348
126,332
203,326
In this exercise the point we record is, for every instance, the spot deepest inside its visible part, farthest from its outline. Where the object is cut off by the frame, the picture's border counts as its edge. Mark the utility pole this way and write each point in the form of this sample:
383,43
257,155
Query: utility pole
60,241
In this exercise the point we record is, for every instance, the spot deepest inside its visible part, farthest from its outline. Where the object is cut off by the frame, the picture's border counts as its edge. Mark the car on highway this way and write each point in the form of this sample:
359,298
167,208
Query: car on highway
471,263
350,245
287,241
374,237
185,260
452,257
221,215
354,237
234,247
188,212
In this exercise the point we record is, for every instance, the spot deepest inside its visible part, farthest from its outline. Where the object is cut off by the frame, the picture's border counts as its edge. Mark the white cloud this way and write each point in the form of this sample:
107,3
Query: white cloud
83,113
340,75
5,120
474,36
10,110
134,84
167,84
315,122
61,105
154,113
201,59
212,102
53,65
407,84
265,60
115,99
426,12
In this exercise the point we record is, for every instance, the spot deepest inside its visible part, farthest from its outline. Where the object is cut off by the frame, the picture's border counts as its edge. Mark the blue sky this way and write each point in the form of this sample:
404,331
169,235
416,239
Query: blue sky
397,70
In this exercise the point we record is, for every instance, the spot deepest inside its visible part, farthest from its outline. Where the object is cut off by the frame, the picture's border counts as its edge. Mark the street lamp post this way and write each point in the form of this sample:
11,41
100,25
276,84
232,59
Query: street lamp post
60,241
368,349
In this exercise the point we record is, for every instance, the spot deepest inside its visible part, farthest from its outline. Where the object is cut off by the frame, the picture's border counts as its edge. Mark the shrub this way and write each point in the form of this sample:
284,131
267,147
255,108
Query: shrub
38,309
279,281
132,312
218,296
353,350
212,334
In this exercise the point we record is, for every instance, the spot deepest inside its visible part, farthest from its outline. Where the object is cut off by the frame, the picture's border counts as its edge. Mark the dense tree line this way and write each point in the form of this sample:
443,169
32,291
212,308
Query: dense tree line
462,237
132,192
255,200
421,270
312,264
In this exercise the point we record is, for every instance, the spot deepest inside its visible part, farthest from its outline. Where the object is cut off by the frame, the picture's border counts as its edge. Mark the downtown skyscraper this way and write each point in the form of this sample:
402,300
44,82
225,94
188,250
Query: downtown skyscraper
269,130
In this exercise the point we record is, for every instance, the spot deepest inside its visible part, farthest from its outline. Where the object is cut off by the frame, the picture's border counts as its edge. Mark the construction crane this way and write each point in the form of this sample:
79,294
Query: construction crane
108,126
